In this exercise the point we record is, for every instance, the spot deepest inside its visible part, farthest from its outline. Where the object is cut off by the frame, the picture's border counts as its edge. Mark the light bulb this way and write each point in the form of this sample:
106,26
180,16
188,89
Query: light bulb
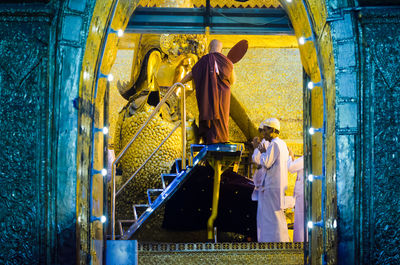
110,77
310,225
310,177
86,75
105,130
311,131
302,40
104,172
103,219
120,33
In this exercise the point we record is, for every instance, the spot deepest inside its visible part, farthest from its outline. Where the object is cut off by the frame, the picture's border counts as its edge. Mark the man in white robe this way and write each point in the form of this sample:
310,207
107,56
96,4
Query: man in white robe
297,165
271,219
260,171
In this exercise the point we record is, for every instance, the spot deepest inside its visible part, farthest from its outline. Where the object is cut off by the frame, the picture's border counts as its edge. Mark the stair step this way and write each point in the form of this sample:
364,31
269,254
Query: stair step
153,192
167,178
121,229
232,152
135,206
178,162
195,148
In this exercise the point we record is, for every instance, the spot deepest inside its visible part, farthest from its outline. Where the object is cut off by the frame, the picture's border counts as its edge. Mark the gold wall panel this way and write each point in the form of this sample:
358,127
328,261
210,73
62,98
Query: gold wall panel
121,70
87,79
123,13
110,53
249,3
319,14
269,84
129,40
308,55
258,41
325,48
316,56
168,3
97,29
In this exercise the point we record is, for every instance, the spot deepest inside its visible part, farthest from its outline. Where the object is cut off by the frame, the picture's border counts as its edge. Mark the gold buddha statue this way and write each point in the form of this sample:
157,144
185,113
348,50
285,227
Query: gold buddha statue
159,62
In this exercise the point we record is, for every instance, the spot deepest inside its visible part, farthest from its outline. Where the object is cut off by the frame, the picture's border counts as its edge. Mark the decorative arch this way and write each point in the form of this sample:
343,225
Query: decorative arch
308,19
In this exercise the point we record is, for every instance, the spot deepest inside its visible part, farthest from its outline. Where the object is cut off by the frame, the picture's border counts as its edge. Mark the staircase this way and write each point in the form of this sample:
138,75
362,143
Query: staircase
220,157
227,155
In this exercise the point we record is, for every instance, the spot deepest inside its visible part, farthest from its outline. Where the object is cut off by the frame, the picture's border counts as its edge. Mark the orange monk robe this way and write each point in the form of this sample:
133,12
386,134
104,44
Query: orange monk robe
211,78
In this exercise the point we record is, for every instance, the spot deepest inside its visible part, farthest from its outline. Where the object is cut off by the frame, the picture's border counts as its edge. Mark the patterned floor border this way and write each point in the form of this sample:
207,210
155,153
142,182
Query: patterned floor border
194,247
251,253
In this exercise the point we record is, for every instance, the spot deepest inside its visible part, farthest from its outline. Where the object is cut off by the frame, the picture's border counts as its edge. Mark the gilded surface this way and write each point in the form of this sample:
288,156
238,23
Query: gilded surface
89,241
327,61
90,236
85,149
213,3
176,44
256,41
269,83
308,56
317,9
121,69
174,50
221,253
323,241
150,176
301,26
250,3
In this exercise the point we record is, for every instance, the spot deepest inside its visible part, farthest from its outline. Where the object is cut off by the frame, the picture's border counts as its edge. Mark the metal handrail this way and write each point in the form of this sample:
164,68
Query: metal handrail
124,150
148,158
183,118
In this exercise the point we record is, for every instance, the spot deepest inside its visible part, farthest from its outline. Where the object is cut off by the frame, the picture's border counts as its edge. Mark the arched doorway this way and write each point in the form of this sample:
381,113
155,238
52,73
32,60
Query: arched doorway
319,115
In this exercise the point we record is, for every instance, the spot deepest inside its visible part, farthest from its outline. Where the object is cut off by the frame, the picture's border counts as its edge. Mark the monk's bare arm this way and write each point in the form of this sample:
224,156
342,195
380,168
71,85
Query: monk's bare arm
187,78
232,78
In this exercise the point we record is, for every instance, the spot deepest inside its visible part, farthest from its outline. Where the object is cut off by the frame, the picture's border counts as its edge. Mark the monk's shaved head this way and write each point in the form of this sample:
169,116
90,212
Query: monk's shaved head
215,46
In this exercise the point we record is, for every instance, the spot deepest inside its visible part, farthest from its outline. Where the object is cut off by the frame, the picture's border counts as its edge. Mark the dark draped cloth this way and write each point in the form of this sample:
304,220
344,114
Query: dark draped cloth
211,78
190,207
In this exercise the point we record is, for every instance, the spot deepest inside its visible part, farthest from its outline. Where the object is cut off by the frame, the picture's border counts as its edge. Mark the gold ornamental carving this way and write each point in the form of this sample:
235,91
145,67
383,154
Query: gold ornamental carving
249,3
214,3
177,44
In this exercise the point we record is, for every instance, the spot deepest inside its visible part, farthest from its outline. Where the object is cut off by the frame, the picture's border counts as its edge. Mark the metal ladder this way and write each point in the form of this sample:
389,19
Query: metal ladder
221,155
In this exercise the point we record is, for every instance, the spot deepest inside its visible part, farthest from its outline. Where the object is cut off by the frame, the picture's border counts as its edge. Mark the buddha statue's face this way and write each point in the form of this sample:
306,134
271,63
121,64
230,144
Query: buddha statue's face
183,68
172,71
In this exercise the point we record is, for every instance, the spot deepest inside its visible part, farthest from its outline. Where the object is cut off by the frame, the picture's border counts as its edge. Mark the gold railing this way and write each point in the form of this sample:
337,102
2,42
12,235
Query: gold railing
170,91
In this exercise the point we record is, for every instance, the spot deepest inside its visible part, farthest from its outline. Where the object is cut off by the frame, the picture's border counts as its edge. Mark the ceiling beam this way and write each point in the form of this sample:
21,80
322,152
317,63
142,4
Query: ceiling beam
243,21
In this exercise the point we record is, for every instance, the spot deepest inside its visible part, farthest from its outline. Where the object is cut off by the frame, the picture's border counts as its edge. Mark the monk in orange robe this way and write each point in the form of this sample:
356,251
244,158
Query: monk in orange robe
213,76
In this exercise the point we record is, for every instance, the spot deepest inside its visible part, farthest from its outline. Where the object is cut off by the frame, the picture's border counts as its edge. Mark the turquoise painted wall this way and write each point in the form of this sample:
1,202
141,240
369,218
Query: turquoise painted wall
41,49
